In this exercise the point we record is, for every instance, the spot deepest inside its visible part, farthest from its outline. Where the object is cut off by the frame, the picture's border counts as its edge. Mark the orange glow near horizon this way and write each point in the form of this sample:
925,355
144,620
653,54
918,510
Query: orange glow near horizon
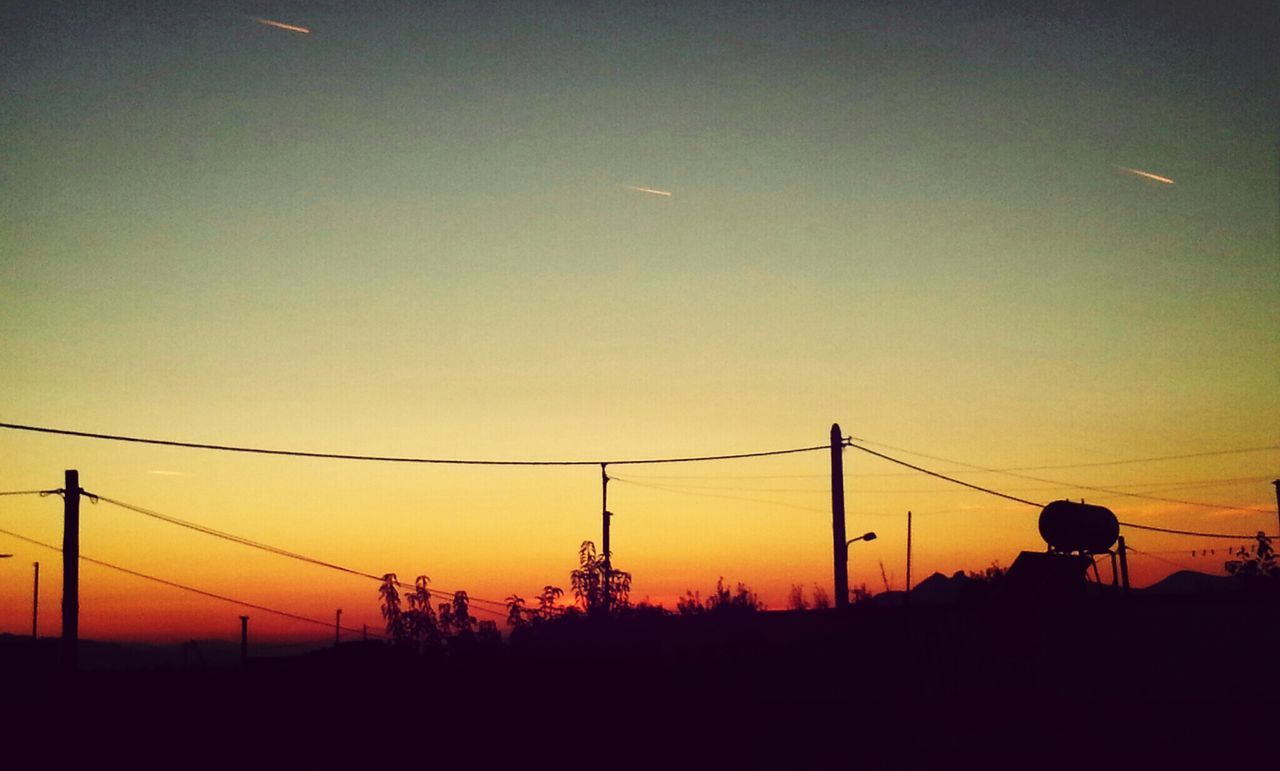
459,527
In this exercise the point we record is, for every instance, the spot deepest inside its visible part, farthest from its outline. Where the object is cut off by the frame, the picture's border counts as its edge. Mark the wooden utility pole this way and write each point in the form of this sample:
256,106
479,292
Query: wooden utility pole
606,599
839,546
337,628
70,569
1276,484
35,603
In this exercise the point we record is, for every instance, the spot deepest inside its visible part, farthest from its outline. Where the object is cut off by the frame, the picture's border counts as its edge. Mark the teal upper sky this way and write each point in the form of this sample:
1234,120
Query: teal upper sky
900,213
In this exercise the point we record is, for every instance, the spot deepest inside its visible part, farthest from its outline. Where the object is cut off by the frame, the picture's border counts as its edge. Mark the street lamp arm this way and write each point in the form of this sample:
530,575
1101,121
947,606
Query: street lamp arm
864,537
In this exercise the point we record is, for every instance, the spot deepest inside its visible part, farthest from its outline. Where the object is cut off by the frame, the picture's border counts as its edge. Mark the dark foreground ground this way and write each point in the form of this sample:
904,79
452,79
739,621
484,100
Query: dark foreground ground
1176,682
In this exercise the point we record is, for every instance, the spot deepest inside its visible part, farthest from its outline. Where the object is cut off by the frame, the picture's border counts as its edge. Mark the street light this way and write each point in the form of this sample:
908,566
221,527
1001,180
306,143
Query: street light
871,536
863,537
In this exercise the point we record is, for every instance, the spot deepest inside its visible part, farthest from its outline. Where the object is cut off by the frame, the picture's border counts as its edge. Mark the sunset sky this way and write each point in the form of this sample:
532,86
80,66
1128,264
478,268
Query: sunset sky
605,230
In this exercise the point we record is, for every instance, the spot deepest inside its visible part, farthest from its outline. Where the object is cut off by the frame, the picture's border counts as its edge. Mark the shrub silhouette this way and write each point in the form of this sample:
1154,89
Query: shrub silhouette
741,600
821,600
796,600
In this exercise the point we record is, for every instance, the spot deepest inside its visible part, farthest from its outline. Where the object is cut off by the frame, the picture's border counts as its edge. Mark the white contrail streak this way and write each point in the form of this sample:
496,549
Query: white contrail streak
649,190
281,25
1146,174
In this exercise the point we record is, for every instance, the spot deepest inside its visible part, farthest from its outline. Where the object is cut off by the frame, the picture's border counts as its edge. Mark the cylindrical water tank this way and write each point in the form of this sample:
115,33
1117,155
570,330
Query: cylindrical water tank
1070,526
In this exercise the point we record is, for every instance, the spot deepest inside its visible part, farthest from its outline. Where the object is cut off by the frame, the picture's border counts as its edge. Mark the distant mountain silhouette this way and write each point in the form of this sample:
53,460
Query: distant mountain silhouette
941,589
1190,582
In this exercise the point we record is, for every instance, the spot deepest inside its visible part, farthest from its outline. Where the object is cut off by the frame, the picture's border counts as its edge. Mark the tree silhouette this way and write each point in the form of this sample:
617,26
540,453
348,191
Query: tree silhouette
445,618
389,599
463,622
487,634
1255,565
516,612
592,587
413,625
547,608
420,623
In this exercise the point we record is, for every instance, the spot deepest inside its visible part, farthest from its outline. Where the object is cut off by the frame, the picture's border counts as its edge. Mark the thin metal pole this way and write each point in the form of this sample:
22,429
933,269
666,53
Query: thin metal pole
35,603
839,546
1124,563
70,569
244,639
606,599
908,595
337,628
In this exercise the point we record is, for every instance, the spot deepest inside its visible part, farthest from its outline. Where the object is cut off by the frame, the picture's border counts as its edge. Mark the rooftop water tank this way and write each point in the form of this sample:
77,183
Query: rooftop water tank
1068,526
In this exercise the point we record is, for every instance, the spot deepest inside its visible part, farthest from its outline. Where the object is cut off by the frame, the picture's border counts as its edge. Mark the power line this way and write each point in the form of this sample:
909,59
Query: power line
184,587
1194,553
395,459
987,490
241,540
1151,555
713,495
1154,458
742,476
722,488
1168,485
1107,490
982,470
236,539
1171,531
31,492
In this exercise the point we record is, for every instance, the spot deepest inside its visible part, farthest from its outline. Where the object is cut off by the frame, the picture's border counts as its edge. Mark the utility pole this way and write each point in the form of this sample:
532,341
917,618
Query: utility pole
244,640
908,594
1276,484
337,628
839,545
70,569
606,600
35,603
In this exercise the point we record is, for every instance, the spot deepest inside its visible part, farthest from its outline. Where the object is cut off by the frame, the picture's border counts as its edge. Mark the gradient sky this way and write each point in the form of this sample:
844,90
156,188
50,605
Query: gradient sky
414,231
